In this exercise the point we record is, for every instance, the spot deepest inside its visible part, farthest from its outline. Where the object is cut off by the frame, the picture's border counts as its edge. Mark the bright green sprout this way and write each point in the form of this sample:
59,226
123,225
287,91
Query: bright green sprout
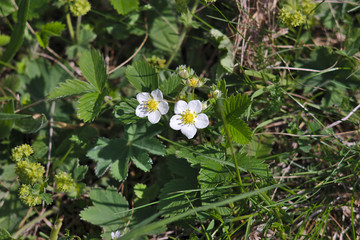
291,17
28,197
79,7
64,182
21,152
28,172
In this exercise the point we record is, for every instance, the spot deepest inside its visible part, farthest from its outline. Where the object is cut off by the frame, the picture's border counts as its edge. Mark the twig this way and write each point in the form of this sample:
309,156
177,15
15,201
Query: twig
51,130
345,118
303,69
136,52
30,105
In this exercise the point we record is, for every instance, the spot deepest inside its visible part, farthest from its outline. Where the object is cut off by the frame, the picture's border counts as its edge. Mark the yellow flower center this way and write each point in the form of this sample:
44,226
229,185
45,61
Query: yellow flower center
188,117
152,105
193,82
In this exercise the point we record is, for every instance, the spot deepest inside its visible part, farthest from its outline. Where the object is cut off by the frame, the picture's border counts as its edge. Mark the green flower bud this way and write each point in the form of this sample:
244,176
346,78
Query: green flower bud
22,151
28,197
80,7
28,172
183,72
64,182
216,94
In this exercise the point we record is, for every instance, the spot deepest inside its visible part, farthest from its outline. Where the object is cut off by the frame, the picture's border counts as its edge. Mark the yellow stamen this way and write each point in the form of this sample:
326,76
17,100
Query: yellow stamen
188,117
152,105
193,82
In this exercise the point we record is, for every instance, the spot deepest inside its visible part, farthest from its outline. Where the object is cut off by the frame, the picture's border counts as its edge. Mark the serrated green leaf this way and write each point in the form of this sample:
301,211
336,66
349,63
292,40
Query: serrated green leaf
47,197
141,160
17,36
226,46
89,105
239,131
235,106
125,6
253,165
109,210
142,76
125,111
92,66
4,39
76,170
70,88
171,84
43,39
53,28
151,145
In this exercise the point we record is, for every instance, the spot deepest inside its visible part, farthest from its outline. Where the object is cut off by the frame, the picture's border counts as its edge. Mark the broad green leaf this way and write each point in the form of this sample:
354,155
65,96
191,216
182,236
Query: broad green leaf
77,171
110,210
31,125
53,28
92,66
226,46
141,160
142,76
235,106
171,84
4,39
151,145
86,36
239,131
125,6
89,105
70,88
17,36
125,111
7,7
164,33
253,165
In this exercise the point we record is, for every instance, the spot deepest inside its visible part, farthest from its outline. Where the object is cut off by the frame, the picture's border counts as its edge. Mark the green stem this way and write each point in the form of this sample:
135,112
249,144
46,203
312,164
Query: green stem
70,26
182,36
56,229
33,222
221,108
78,25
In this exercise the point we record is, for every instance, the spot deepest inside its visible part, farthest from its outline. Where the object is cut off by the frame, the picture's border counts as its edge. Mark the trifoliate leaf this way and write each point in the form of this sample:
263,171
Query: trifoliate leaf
92,66
125,6
235,106
110,210
142,76
70,88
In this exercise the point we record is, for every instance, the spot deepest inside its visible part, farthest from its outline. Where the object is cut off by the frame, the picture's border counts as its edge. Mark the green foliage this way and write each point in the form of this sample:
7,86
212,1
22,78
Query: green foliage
109,210
235,106
116,153
92,66
226,46
49,30
124,7
70,88
7,119
17,35
125,111
171,84
4,39
142,76
89,105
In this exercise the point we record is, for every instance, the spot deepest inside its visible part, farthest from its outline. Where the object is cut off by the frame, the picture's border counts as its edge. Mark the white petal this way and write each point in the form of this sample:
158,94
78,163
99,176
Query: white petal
157,95
143,97
195,105
141,111
163,107
175,122
189,131
201,121
154,117
180,107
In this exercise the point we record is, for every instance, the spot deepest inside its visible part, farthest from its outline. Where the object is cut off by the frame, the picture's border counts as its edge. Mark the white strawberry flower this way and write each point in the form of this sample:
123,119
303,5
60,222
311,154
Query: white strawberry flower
188,118
151,106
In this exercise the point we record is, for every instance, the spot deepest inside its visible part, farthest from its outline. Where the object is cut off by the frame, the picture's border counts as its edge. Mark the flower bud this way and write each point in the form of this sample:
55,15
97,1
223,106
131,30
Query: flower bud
22,151
28,172
183,72
216,94
27,196
64,182
80,7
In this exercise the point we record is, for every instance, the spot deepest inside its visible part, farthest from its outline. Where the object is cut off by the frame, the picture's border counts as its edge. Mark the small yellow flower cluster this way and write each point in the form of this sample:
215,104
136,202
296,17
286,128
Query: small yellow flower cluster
308,6
29,172
291,17
21,152
156,61
64,182
28,197
210,1
79,7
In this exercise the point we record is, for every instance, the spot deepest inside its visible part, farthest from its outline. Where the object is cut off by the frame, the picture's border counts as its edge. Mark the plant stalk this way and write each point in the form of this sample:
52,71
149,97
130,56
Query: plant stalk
70,26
